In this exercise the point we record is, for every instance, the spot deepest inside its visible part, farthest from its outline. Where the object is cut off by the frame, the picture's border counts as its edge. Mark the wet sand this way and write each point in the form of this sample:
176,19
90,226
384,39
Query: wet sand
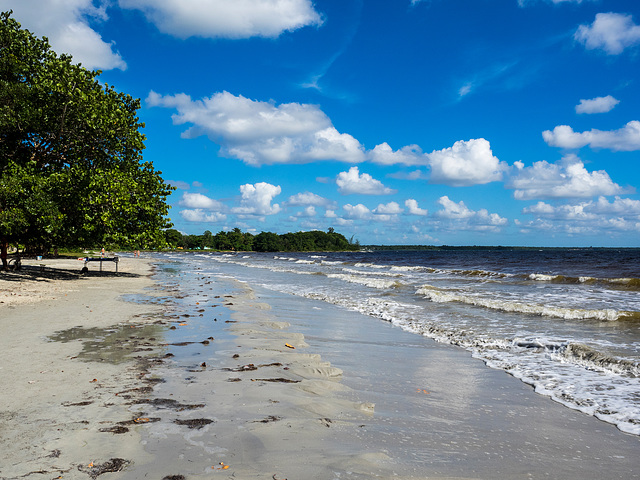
223,380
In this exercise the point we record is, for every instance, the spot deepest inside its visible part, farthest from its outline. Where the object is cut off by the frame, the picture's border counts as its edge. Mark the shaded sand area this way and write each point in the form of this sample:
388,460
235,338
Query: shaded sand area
205,377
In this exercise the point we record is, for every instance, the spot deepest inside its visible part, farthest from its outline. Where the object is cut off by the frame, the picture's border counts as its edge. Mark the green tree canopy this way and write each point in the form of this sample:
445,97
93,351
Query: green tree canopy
71,166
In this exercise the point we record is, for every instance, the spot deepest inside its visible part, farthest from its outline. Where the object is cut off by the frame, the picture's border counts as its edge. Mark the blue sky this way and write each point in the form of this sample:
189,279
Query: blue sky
459,122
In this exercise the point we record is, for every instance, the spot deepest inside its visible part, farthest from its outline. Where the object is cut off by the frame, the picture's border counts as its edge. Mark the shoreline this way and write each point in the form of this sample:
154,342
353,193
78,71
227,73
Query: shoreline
236,381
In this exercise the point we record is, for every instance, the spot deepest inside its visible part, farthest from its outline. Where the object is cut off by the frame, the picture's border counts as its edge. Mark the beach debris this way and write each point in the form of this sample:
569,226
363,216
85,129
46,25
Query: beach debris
196,423
289,346
110,466
276,478
220,466
116,429
77,404
168,403
420,390
54,453
139,421
251,367
269,419
94,380
280,380
174,477
326,422
182,324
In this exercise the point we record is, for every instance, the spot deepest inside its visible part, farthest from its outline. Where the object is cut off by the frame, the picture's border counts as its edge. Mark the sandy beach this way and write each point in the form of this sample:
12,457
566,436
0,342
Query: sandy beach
205,377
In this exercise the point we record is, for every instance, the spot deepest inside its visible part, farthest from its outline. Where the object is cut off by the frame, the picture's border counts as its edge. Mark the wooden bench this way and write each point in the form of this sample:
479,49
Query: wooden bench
101,259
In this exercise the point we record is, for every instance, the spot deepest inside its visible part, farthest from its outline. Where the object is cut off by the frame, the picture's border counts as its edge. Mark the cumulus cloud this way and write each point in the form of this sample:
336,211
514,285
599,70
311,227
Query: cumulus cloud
462,217
414,209
597,105
308,212
391,208
199,215
256,199
200,208
66,24
356,212
599,217
199,201
308,198
261,132
611,32
355,182
566,179
409,155
226,18
466,163
453,210
625,139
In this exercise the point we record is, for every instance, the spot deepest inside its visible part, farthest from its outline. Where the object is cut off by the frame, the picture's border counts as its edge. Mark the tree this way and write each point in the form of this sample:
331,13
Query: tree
78,146
173,238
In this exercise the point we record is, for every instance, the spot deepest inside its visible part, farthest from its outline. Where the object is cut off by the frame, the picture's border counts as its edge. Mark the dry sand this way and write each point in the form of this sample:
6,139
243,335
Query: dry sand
58,395
227,381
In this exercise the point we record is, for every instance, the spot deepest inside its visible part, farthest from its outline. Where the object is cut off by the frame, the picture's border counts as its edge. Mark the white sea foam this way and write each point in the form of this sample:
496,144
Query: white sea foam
443,296
540,277
378,283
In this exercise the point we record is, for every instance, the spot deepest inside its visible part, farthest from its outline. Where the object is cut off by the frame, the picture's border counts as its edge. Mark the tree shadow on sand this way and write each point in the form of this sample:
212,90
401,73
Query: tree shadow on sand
35,273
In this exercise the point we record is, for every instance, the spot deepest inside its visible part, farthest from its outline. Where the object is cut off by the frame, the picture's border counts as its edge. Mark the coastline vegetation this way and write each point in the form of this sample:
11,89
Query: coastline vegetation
237,240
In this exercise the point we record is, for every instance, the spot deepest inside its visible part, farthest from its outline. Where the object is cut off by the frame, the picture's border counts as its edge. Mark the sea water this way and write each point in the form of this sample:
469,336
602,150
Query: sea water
566,321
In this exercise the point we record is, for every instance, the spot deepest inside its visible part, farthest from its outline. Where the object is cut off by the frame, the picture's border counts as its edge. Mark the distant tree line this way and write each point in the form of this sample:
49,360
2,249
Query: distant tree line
263,242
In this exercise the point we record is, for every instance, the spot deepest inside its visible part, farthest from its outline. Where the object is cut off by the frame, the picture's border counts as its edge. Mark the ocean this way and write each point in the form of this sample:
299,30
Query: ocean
566,321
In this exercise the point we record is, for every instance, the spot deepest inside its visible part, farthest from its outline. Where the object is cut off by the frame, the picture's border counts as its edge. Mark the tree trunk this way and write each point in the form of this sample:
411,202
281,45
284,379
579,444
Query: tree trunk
4,247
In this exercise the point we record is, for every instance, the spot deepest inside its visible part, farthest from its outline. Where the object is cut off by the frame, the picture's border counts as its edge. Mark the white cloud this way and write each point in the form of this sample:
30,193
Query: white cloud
261,132
308,212
453,210
414,209
566,179
611,32
308,198
384,155
391,208
199,201
625,139
624,207
199,215
256,199
597,105
66,24
356,212
226,18
354,182
599,217
459,216
465,163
